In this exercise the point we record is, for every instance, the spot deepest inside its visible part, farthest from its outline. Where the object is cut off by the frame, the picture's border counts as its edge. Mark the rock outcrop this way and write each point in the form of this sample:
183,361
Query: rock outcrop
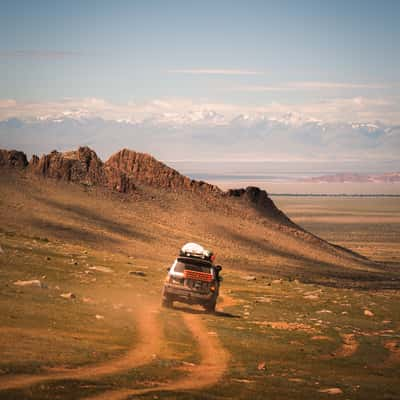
126,169
259,199
81,166
145,169
13,159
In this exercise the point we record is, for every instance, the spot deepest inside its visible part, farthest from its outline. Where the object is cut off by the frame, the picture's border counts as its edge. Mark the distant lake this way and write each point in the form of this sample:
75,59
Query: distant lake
288,177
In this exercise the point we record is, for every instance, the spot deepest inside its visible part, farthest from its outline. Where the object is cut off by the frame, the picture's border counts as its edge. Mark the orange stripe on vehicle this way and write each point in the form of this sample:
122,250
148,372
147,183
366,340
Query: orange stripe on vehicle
198,276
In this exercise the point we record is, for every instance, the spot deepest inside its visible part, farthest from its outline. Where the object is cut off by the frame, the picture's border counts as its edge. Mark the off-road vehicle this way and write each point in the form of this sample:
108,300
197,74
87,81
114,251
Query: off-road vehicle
192,278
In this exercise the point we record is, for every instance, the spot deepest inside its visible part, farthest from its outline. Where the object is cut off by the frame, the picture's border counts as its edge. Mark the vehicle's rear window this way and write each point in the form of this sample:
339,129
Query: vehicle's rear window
181,265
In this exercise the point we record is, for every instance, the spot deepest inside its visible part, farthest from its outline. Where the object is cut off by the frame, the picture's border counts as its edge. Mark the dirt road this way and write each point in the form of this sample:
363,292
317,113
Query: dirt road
214,362
148,344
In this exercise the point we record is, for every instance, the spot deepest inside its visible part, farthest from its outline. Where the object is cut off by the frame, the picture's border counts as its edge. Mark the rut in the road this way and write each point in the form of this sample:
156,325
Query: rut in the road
148,343
214,362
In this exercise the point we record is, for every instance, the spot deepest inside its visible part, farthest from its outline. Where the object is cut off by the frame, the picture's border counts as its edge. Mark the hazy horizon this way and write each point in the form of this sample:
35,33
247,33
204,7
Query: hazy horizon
312,88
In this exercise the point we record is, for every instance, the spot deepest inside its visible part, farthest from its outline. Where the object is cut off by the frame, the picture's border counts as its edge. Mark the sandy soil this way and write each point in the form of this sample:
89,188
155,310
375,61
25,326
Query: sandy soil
347,349
394,357
141,353
214,362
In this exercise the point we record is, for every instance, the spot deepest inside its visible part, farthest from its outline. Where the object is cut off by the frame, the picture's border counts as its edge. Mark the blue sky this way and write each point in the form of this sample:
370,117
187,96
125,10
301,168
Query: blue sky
123,51
181,61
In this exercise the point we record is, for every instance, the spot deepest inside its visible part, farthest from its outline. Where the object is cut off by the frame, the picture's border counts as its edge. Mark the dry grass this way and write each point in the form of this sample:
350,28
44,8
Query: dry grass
319,337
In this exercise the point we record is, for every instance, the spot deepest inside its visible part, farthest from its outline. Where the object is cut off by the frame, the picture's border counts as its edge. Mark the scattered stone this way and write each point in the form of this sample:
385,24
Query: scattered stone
1,250
88,300
98,316
289,326
242,380
368,313
263,300
324,312
331,391
138,273
33,282
249,278
48,258
188,364
311,297
68,295
101,269
262,366
277,281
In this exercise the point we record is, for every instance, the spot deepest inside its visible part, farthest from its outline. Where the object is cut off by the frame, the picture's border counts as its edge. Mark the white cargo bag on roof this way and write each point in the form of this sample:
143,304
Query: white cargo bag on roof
193,249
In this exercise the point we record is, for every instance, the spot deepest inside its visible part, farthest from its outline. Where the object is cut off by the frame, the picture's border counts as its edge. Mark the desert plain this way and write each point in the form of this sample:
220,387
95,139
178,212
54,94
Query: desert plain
307,313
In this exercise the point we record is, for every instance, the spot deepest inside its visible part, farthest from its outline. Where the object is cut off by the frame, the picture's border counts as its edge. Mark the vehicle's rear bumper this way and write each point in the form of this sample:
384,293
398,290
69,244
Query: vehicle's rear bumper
186,295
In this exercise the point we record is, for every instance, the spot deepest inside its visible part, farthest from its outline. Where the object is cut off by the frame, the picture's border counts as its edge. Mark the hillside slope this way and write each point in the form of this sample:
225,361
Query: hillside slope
161,211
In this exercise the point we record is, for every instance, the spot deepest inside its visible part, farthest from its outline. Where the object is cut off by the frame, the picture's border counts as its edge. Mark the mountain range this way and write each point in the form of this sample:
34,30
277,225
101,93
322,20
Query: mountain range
209,135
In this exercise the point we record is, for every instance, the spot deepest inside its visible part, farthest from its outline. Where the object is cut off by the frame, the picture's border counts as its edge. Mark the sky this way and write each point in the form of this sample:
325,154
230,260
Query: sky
189,70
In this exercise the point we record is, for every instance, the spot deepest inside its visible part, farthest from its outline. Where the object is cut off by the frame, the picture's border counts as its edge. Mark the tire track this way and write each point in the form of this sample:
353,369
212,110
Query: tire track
149,342
213,365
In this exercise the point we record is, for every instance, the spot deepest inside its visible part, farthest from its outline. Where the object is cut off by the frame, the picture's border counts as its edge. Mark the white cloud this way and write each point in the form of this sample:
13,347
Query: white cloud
186,111
308,85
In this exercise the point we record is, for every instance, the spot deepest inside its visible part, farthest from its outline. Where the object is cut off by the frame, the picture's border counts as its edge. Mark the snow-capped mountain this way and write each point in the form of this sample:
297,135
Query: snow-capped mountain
206,134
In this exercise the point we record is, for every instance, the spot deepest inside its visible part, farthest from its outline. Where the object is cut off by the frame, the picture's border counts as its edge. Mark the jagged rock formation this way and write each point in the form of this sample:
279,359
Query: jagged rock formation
258,198
13,159
81,166
126,169
119,181
145,169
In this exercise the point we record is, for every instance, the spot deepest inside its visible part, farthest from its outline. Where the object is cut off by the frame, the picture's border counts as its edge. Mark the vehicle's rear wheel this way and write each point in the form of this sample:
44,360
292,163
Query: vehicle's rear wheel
167,302
210,307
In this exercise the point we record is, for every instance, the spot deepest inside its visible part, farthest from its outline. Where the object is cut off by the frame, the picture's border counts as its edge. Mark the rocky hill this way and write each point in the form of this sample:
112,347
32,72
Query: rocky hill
124,171
145,169
166,210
